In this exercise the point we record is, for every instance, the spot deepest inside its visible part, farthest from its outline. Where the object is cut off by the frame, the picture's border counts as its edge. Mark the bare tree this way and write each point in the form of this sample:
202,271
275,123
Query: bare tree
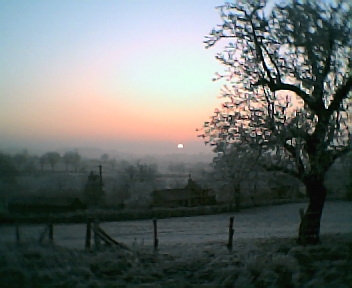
289,71
71,158
75,160
42,161
53,158
67,159
20,160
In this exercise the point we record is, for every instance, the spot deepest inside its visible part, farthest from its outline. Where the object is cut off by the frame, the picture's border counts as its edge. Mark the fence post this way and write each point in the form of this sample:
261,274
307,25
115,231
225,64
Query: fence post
88,233
156,240
96,236
51,232
231,231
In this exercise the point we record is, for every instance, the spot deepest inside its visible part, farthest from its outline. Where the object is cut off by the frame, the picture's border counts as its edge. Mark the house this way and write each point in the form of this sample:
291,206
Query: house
190,196
45,205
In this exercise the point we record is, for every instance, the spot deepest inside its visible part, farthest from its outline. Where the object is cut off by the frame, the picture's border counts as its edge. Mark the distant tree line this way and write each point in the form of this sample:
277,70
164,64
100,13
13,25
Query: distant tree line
24,162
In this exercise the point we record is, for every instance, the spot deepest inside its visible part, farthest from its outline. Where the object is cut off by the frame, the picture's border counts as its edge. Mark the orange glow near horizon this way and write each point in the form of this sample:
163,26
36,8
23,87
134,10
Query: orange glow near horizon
97,116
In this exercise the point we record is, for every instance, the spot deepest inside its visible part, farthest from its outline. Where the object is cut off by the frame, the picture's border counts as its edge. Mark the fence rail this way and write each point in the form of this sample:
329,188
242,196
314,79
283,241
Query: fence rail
99,235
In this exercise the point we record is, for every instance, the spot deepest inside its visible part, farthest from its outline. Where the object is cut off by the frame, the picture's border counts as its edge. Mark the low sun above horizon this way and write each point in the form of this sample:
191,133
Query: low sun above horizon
180,146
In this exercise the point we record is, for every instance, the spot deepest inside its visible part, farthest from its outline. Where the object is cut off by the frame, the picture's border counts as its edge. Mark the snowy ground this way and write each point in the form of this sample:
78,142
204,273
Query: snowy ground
192,253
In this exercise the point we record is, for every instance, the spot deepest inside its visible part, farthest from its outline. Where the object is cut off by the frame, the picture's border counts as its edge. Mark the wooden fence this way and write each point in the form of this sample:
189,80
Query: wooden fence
100,236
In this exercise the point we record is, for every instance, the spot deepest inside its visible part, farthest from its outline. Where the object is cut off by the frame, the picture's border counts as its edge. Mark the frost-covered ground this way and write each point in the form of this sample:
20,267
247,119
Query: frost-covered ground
192,253
260,222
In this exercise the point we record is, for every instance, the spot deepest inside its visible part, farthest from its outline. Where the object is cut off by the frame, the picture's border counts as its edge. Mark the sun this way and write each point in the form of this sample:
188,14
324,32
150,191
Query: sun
180,146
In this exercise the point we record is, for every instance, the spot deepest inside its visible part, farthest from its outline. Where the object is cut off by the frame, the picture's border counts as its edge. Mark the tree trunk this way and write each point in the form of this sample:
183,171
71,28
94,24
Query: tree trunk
309,229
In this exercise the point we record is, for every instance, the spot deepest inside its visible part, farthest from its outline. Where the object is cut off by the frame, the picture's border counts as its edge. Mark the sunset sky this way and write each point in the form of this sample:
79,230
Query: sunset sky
132,76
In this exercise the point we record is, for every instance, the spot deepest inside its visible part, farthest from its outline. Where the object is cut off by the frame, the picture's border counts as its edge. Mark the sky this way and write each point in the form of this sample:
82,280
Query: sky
131,76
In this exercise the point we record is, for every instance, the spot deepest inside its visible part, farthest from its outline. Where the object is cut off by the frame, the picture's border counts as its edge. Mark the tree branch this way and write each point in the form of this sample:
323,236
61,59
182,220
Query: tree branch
340,94
328,61
319,83
260,52
289,87
273,62
291,149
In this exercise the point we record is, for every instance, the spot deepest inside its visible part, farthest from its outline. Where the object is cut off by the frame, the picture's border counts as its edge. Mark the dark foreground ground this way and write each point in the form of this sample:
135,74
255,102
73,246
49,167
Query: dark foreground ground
272,262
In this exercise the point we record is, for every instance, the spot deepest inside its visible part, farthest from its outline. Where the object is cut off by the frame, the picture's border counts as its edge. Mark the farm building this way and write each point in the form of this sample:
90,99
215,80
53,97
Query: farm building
190,196
45,205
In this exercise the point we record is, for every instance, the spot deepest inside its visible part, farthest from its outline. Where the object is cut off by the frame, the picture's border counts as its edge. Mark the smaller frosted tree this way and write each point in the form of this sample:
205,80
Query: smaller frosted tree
234,165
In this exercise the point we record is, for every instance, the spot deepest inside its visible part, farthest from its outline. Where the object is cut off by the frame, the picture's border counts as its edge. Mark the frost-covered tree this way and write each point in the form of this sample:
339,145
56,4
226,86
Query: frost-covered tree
234,165
133,183
288,91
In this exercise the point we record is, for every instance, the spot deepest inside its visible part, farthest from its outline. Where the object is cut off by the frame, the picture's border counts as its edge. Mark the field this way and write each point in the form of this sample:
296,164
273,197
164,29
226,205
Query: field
192,253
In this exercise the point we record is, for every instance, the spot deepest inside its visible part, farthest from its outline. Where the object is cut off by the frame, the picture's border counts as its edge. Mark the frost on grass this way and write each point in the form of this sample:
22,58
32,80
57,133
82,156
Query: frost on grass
274,262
